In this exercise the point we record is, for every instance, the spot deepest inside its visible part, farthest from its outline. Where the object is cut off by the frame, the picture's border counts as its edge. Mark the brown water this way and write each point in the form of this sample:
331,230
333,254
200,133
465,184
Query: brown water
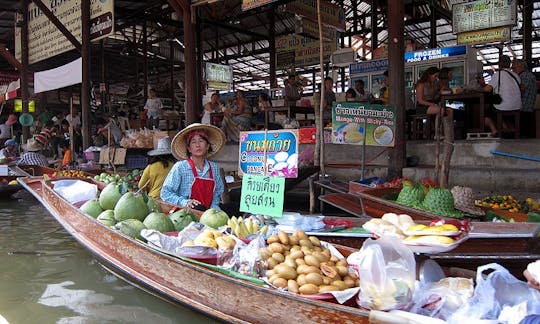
47,277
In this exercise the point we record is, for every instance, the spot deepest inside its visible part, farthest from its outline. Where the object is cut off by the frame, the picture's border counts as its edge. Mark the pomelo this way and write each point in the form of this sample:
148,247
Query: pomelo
131,227
130,206
153,206
214,218
109,196
92,207
107,218
159,222
182,218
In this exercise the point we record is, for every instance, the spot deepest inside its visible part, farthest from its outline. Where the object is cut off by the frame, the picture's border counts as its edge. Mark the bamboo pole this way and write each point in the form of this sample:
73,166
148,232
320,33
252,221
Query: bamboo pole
320,126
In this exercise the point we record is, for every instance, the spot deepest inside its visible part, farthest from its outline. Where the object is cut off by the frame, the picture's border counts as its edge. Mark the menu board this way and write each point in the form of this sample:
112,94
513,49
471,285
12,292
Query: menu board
483,14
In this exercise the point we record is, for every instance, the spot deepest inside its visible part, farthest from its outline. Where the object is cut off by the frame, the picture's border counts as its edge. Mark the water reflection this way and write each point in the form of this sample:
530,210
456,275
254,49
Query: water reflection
47,277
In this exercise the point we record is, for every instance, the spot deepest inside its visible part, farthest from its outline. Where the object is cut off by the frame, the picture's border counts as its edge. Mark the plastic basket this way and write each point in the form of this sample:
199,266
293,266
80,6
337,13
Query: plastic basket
136,161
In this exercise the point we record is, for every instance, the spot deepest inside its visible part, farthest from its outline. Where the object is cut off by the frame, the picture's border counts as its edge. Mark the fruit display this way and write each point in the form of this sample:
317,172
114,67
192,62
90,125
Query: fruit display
214,218
242,228
503,202
532,204
213,238
131,179
303,265
68,173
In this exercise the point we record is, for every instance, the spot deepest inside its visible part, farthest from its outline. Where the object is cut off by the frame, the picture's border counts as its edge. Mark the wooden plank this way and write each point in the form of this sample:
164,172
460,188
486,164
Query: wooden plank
333,185
347,202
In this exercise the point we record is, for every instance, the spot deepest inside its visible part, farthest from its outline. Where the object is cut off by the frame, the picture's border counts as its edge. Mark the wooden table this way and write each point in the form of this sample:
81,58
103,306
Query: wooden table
474,101
290,110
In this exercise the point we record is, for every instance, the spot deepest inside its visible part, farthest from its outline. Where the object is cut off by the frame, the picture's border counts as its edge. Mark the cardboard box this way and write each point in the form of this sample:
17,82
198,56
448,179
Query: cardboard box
112,155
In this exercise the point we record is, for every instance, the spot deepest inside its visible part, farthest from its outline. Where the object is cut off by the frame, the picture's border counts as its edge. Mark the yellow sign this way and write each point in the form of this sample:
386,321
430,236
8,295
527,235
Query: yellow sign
331,14
250,4
306,49
498,34
17,106
45,40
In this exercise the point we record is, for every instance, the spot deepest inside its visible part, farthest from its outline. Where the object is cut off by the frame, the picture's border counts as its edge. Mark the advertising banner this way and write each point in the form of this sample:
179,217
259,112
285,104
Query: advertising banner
306,49
354,123
499,34
276,150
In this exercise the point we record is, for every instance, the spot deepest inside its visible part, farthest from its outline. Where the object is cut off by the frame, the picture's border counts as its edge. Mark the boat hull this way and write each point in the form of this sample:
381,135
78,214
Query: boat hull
181,282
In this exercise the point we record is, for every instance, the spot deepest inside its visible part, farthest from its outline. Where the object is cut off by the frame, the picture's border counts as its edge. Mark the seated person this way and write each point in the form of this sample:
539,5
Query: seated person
33,155
237,118
9,152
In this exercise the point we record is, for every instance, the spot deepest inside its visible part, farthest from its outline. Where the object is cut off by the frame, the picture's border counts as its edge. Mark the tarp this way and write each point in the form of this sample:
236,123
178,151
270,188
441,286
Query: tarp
59,77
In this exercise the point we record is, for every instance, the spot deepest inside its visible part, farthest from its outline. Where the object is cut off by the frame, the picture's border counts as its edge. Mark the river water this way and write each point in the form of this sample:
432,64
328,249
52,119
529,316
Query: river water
47,277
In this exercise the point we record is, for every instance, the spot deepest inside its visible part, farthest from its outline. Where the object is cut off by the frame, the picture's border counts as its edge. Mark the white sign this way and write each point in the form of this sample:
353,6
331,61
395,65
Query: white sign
219,73
45,40
483,14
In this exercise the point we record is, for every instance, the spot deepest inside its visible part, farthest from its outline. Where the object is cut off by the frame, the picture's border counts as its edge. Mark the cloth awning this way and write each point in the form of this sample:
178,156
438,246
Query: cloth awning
59,77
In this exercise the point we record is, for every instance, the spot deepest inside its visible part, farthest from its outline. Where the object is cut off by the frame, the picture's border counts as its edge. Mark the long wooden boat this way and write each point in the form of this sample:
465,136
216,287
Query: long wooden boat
7,186
183,282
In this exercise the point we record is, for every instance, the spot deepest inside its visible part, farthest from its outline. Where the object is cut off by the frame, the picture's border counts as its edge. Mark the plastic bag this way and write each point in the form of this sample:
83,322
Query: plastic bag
75,190
245,258
387,270
497,290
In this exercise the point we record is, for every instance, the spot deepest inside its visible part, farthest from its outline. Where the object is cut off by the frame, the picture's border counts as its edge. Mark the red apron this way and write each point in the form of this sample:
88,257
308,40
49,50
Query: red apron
202,189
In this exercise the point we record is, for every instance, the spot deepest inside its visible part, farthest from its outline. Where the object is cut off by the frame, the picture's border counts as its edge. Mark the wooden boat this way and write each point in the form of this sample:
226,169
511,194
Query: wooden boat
183,282
7,187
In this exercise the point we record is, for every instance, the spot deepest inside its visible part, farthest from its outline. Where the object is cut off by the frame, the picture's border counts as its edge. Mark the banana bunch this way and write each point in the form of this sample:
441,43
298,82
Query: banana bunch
242,228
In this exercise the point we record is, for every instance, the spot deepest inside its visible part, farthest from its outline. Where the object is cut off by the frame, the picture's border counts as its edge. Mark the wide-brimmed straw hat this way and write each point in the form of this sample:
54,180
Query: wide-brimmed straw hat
12,119
179,145
163,147
32,145
464,200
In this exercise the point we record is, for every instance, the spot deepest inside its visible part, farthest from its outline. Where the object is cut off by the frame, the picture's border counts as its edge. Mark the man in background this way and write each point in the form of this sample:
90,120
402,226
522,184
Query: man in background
528,98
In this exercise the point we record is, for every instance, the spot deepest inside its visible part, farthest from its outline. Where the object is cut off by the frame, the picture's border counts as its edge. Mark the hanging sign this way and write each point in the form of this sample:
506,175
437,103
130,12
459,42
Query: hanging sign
356,123
250,4
262,195
277,148
331,14
219,73
483,14
499,34
306,50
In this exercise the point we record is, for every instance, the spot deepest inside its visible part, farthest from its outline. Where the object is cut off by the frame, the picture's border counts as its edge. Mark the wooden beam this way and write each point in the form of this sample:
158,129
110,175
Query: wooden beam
58,24
10,58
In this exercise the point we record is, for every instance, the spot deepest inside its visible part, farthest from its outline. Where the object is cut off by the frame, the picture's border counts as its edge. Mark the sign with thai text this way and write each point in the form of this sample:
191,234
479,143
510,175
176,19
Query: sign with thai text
306,49
331,14
483,14
45,40
219,73
499,34
250,4
262,195
310,28
354,123
274,151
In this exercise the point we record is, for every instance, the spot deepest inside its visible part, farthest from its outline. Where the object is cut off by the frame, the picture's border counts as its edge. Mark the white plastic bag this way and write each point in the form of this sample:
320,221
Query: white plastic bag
387,272
497,290
75,190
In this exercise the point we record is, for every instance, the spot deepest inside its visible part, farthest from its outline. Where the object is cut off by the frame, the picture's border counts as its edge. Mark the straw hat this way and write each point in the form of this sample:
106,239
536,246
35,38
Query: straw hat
41,139
12,119
464,200
163,147
32,145
215,137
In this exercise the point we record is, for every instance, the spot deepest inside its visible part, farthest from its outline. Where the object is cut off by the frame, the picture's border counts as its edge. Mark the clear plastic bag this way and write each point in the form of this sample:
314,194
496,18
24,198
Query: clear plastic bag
75,191
497,290
387,272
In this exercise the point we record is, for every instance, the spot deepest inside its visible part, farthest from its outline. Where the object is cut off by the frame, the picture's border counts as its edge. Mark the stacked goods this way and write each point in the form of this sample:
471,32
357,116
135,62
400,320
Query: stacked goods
303,265
242,228
138,139
503,202
411,194
441,201
212,238
68,173
131,179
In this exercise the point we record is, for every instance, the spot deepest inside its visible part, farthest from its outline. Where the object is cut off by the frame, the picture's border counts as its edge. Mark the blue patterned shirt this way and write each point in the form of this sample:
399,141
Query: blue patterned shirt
33,158
528,95
177,186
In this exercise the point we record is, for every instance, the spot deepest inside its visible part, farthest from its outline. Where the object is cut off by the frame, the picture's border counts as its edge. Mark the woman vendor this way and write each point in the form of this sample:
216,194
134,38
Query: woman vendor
194,181
161,162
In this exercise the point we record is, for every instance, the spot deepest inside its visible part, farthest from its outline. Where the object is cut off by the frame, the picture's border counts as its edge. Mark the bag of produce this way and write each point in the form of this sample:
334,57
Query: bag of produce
387,272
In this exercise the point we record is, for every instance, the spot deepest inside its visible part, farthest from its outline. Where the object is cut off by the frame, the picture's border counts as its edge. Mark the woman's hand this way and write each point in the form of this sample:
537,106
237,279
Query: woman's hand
531,281
192,203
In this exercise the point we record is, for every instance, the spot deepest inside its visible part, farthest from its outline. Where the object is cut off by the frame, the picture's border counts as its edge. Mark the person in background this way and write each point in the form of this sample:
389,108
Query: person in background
66,153
238,118
361,93
350,95
74,119
9,152
384,95
194,181
445,76
33,155
329,98
161,162
153,108
293,91
5,128
528,97
427,93
213,106
111,130
507,84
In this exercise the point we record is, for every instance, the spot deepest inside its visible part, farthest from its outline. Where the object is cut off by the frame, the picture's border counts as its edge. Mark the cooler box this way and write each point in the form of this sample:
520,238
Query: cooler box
307,135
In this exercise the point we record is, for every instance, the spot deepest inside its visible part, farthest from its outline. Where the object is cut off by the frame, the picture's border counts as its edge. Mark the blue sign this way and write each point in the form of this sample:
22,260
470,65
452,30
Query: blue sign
368,66
435,54
276,151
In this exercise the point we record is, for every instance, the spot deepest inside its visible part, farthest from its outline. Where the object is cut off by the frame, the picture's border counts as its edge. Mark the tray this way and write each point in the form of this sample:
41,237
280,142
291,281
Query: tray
435,248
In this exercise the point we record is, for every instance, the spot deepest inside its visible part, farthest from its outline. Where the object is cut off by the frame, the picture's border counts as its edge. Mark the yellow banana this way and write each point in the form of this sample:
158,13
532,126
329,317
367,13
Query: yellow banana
264,229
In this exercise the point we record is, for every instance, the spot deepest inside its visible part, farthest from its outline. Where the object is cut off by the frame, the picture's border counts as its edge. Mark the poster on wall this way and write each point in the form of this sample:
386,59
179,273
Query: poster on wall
356,123
274,151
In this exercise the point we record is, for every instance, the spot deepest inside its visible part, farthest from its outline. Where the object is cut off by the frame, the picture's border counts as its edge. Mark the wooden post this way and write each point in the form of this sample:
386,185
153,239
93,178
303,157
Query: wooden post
85,86
24,65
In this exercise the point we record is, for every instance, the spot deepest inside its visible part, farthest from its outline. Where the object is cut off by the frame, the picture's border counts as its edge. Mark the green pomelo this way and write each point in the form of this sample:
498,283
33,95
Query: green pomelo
214,218
131,227
153,205
182,218
159,222
92,207
107,218
109,196
130,206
